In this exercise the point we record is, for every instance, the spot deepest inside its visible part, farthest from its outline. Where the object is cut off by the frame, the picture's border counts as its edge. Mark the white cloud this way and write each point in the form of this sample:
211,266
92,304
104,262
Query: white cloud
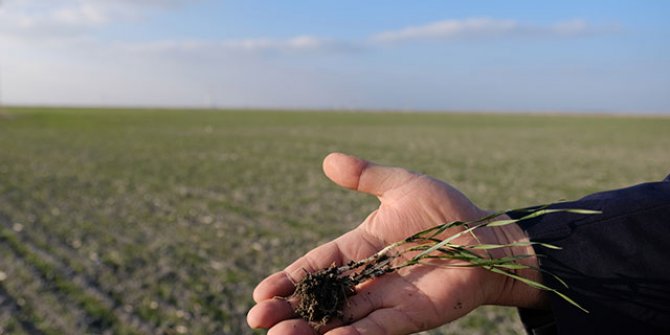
303,42
67,23
85,15
300,43
448,29
486,27
25,20
56,19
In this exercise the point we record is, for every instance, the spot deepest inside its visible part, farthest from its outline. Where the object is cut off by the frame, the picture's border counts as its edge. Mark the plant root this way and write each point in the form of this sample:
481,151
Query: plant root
323,295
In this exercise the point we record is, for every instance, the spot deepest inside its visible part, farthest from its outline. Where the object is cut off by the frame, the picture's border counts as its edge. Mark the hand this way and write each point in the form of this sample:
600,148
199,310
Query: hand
413,299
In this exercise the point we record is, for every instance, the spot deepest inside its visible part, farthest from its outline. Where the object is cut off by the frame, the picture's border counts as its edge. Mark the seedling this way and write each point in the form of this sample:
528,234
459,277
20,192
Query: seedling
322,295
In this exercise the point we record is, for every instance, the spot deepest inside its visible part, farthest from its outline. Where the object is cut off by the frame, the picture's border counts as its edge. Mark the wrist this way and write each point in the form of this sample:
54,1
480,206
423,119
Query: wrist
507,291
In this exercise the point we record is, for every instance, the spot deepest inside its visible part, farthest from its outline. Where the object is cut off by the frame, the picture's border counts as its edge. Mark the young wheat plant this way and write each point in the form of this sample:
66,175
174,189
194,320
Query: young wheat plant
322,295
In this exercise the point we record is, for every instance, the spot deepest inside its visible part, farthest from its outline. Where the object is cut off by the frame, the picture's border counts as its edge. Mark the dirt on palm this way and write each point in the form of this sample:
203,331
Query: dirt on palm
323,295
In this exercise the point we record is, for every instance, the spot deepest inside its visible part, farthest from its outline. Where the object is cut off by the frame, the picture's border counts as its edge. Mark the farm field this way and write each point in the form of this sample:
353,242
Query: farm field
122,221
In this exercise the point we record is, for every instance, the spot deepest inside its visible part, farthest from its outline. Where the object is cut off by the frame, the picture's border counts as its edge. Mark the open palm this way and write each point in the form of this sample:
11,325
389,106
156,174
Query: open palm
411,300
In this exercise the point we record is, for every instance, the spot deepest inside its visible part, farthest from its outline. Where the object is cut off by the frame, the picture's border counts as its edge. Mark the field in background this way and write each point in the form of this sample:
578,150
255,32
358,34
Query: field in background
163,221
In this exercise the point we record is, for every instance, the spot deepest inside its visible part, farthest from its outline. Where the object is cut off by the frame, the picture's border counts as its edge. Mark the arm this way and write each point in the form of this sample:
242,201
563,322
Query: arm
616,263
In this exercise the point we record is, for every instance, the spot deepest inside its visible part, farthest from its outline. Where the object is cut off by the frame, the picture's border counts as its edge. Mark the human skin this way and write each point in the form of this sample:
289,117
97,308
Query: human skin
413,299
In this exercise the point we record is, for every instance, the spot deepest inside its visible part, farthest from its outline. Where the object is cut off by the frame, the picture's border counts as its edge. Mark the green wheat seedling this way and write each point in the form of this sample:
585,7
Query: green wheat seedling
322,295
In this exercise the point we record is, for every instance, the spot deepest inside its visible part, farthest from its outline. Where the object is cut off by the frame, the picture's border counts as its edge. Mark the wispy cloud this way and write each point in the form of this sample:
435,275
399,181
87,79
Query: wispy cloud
25,20
486,27
448,29
56,19
67,22
248,46
64,21
442,30
304,42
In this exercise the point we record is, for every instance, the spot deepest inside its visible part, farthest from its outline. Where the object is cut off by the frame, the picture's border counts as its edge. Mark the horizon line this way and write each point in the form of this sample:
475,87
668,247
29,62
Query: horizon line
584,112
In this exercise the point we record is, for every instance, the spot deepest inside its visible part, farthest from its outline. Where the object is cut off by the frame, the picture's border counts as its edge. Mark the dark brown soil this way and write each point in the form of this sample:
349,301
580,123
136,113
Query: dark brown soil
323,295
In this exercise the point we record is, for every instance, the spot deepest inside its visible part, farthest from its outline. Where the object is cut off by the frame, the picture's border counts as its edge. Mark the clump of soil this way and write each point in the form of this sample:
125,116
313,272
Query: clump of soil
323,295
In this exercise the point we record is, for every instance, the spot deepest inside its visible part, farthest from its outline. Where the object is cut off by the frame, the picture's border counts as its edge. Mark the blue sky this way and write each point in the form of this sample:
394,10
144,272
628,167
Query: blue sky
595,56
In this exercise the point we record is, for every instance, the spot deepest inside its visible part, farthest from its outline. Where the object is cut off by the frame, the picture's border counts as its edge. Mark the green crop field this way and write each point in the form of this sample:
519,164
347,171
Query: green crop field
162,221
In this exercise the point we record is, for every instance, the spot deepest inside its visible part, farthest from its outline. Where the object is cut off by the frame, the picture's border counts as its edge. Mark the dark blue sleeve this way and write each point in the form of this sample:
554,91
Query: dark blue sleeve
616,264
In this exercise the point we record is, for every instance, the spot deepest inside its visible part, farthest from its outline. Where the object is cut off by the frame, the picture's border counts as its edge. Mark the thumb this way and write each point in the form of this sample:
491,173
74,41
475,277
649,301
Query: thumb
364,176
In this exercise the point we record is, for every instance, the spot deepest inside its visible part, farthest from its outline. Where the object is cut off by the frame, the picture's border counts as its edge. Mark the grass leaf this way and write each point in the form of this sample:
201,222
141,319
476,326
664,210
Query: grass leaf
540,286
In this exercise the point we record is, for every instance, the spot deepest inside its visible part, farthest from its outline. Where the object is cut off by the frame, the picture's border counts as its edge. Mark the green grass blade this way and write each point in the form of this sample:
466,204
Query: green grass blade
500,223
515,244
540,286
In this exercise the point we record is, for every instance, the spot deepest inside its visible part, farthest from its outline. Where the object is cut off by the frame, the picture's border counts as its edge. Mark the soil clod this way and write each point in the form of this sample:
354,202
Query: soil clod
323,295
